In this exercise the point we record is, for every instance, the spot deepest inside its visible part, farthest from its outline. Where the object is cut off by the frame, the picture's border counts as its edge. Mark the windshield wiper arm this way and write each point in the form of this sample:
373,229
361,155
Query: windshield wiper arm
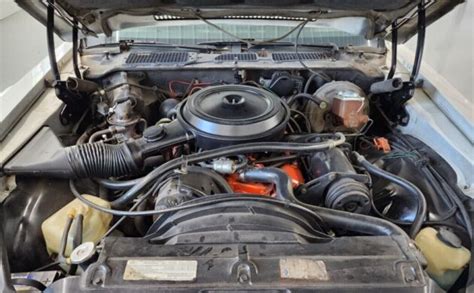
168,45
291,44
131,43
221,44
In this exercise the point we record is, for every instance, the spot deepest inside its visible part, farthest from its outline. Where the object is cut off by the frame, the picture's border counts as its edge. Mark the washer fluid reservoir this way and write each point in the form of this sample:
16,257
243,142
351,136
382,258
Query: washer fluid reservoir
95,224
444,253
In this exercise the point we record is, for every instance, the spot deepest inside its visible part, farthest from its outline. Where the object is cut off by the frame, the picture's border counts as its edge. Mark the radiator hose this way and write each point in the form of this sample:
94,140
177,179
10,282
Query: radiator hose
278,177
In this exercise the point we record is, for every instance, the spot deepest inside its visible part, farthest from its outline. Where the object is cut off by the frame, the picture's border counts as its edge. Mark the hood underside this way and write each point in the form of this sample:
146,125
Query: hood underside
106,16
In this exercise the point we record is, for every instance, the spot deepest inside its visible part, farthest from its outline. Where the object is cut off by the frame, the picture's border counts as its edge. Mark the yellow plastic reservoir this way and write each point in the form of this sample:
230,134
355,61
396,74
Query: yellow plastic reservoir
95,223
445,256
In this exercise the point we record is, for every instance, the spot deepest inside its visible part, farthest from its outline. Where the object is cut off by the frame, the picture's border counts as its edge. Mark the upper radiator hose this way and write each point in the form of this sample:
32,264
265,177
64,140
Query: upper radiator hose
284,189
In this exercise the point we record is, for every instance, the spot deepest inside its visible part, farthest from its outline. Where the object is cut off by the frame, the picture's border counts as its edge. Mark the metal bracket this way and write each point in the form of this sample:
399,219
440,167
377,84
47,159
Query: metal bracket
393,104
74,101
74,105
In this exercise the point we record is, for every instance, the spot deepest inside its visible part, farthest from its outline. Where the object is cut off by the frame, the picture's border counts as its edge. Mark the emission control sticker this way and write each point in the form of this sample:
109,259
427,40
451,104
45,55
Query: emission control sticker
303,269
160,270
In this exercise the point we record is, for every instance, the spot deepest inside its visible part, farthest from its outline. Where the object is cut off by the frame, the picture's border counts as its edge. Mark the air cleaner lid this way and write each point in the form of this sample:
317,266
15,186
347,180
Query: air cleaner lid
233,110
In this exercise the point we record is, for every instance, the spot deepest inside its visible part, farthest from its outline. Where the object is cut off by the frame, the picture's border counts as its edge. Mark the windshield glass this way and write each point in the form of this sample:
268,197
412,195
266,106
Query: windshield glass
189,32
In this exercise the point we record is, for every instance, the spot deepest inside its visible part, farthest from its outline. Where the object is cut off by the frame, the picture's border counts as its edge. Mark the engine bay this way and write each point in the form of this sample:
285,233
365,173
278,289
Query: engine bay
187,170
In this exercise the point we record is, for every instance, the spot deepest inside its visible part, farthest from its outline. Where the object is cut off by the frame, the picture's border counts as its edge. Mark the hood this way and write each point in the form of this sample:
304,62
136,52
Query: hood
106,16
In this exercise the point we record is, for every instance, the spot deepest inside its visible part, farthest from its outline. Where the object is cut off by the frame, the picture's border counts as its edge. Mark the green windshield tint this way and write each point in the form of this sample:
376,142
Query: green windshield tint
190,34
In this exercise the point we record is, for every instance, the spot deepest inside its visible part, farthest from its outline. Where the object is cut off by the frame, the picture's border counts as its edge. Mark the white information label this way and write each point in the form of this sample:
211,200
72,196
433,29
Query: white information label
303,269
161,270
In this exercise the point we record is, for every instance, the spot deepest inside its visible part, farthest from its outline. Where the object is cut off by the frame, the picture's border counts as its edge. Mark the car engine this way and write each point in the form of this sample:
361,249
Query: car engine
231,176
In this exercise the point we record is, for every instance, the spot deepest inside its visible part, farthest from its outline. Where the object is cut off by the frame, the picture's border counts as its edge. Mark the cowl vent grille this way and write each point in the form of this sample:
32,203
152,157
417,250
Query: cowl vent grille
285,57
157,58
237,56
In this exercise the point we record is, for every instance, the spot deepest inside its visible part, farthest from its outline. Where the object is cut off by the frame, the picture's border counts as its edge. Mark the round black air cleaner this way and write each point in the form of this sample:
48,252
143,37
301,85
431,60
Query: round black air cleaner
232,114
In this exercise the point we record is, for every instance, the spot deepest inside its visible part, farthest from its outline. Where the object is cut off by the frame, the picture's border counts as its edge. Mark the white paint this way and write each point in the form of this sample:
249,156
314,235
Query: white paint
23,46
449,48
449,100
7,8
429,124
16,99
442,112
